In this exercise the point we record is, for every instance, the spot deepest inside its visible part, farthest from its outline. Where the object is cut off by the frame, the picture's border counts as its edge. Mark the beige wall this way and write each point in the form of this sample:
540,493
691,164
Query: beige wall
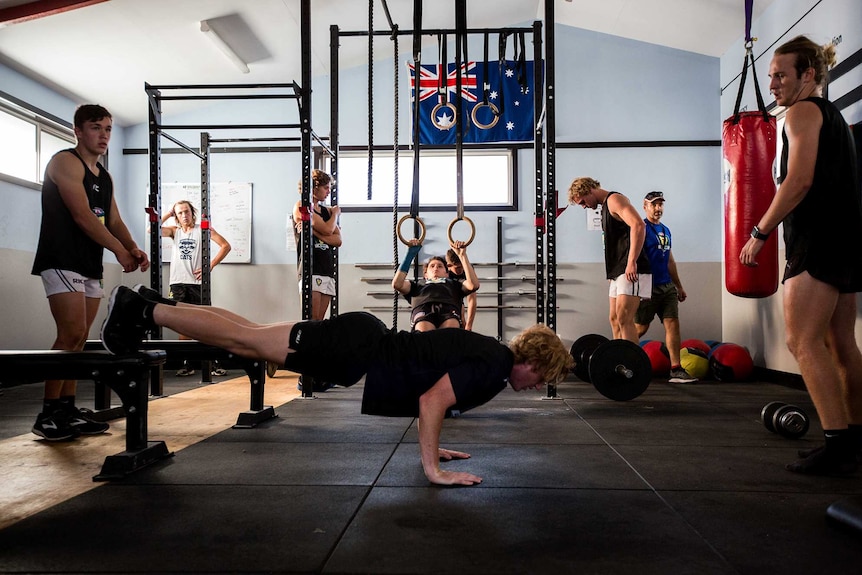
269,293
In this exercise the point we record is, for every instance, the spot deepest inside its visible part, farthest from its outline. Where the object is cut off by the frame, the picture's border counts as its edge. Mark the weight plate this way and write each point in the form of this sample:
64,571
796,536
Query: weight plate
790,421
620,370
581,351
767,412
271,368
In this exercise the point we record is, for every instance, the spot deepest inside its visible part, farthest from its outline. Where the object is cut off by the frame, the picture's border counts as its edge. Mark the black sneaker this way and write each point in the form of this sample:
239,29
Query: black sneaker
152,295
824,462
54,427
319,386
680,375
129,316
80,420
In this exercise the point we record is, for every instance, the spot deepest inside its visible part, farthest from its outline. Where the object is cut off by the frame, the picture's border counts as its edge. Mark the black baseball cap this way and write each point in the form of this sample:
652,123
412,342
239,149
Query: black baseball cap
654,197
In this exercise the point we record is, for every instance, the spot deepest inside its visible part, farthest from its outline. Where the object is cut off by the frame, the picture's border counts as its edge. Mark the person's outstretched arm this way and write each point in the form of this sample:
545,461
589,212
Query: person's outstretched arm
400,282
471,281
432,410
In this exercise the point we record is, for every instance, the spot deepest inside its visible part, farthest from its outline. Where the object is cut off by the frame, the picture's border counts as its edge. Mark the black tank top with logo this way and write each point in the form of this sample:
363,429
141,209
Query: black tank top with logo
62,243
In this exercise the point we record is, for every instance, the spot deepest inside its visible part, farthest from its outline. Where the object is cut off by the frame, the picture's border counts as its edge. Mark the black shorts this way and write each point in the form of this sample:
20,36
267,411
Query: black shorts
337,350
845,274
436,313
664,303
186,293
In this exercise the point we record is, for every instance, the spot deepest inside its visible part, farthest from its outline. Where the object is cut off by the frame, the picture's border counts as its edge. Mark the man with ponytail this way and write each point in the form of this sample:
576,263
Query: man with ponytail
824,251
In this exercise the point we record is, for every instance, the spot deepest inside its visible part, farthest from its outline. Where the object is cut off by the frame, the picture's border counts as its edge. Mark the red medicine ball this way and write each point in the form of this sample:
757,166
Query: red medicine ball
696,344
658,357
731,362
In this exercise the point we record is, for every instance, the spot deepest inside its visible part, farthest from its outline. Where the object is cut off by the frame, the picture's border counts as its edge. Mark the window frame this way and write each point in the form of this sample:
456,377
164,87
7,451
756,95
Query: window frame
405,154
41,122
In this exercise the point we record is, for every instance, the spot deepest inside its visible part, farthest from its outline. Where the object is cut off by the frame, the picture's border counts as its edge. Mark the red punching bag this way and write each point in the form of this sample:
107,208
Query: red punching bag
749,144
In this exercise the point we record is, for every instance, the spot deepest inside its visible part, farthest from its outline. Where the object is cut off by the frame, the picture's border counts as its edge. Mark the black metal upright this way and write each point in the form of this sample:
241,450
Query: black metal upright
333,146
155,198
539,161
206,284
305,137
550,163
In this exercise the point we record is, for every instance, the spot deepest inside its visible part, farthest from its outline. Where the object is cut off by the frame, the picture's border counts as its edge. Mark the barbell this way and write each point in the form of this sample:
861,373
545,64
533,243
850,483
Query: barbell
618,369
784,419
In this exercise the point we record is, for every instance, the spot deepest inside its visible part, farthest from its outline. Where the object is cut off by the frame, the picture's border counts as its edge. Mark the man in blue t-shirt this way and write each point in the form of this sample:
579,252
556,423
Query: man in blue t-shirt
667,290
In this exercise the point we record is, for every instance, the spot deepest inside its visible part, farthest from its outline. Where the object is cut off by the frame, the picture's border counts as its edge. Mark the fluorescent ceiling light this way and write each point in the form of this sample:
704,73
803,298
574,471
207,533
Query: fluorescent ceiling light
223,46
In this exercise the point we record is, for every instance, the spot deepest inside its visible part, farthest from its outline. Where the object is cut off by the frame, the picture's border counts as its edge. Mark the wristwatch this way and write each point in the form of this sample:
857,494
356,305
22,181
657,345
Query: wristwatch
757,234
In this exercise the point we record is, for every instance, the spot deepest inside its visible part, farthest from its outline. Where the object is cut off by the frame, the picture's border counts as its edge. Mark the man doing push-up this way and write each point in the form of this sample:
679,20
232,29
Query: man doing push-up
426,375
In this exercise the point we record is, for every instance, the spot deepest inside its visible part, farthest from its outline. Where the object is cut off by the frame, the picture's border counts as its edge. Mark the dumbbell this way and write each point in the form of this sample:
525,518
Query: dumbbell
618,369
784,419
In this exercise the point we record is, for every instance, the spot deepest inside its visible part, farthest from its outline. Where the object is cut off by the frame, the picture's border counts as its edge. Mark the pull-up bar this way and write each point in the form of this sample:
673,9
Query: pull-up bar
434,31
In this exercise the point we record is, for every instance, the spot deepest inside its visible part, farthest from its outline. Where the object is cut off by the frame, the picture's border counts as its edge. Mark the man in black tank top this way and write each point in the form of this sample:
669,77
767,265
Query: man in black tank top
626,265
824,252
79,220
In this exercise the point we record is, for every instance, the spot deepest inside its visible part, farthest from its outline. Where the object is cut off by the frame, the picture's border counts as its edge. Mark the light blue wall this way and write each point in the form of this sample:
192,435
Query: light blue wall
19,220
609,89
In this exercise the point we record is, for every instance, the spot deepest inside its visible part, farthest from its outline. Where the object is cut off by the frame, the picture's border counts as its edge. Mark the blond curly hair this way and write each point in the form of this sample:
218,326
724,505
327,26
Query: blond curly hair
581,187
540,347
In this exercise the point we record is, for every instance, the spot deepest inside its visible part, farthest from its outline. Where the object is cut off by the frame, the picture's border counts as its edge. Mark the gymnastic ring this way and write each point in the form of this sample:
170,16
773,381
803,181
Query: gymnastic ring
494,110
472,230
418,221
437,124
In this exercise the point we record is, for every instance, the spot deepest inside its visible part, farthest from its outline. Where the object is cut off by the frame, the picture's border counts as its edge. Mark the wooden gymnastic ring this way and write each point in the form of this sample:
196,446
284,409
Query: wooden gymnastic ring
494,110
437,124
472,230
418,221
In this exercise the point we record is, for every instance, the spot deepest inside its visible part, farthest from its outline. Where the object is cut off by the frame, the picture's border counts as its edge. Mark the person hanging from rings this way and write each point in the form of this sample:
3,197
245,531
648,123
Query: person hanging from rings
437,300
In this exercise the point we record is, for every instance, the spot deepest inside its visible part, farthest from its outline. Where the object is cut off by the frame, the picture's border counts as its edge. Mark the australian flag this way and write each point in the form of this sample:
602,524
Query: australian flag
510,93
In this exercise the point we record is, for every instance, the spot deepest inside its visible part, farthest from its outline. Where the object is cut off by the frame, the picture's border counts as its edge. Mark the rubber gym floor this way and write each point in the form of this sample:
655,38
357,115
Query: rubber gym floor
684,479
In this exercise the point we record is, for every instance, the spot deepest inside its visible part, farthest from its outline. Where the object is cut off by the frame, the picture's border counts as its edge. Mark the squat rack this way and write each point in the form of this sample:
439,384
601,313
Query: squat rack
213,92
543,100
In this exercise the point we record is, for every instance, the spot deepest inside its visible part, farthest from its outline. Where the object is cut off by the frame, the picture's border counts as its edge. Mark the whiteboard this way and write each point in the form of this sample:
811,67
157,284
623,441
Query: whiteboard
230,215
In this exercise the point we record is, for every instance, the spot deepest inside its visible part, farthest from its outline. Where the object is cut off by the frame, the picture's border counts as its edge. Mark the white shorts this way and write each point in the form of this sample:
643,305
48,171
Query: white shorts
642,288
64,281
321,284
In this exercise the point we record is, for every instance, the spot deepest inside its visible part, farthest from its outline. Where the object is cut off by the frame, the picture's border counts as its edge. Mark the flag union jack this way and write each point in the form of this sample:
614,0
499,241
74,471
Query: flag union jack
429,82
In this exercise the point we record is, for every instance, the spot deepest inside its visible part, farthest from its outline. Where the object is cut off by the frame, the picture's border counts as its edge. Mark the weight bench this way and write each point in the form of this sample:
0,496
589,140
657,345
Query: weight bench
127,375
196,351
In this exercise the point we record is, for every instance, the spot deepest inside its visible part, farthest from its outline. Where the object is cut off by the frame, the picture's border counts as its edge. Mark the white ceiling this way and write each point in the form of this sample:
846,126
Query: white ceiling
104,52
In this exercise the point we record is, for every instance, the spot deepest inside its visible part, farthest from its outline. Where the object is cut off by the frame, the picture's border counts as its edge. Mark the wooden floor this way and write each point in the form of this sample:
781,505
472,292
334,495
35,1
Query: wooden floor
37,474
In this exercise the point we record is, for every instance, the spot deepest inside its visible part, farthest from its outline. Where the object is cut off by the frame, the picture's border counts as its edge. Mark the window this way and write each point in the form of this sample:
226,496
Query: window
27,142
17,147
488,177
50,144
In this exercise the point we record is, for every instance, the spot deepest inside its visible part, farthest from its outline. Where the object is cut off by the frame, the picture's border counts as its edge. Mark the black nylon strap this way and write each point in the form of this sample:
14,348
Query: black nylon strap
417,63
442,79
486,87
760,105
501,58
